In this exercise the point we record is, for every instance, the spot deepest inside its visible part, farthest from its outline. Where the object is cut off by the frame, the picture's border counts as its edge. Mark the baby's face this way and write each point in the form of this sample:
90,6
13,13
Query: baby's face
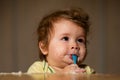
67,39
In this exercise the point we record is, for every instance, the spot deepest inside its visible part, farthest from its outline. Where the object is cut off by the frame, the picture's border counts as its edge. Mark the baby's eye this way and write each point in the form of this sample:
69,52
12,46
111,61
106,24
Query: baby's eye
81,40
65,38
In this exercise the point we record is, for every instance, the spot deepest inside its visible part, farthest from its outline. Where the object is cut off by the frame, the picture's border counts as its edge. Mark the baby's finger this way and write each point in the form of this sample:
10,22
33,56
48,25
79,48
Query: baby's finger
80,70
77,69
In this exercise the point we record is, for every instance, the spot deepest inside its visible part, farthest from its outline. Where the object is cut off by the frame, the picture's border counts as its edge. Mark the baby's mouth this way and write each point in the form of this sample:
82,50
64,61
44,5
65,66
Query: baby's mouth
73,57
70,56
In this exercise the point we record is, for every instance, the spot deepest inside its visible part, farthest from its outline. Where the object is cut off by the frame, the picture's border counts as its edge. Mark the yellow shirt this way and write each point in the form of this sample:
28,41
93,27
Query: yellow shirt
43,67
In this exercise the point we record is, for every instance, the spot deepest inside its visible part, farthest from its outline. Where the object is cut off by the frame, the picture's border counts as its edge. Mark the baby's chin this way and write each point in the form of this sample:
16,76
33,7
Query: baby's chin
68,60
68,63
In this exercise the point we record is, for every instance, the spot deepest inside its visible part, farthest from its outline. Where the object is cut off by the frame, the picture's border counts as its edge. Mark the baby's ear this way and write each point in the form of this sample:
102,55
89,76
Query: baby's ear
42,48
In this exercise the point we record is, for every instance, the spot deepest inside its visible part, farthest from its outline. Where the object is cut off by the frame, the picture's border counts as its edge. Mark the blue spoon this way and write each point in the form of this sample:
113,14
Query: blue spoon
74,58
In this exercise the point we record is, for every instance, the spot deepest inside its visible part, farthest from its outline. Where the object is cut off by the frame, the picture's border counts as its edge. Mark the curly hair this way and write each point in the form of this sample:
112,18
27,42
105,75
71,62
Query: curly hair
77,16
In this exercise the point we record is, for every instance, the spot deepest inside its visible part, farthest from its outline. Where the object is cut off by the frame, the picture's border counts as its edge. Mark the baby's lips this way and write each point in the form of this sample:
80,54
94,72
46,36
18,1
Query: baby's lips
71,55
70,58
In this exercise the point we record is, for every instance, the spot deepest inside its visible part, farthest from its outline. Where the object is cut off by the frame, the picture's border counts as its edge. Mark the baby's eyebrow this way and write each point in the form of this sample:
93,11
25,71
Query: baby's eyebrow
65,34
81,35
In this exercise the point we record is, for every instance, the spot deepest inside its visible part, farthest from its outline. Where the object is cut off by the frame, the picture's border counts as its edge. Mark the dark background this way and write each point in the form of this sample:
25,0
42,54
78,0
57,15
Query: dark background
19,20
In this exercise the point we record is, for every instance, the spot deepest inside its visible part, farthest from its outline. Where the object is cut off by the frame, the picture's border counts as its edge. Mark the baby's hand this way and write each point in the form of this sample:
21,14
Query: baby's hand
73,68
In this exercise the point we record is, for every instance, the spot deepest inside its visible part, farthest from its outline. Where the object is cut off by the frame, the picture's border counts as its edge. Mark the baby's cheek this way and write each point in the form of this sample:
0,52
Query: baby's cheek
82,54
61,49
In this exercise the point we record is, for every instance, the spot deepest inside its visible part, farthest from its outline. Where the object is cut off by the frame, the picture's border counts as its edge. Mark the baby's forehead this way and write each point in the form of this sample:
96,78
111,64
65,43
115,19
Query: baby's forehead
66,25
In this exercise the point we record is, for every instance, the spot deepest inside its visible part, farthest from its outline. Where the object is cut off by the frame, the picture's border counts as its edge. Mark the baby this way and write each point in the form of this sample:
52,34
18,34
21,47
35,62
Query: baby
61,35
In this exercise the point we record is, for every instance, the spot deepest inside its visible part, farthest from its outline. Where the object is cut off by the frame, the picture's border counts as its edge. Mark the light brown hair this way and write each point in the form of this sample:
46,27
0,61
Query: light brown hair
77,15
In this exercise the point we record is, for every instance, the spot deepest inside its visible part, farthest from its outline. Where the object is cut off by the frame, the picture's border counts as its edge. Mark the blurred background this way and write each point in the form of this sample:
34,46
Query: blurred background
19,20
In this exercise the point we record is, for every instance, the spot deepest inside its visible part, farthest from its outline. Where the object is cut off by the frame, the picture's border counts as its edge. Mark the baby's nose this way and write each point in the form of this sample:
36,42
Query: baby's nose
75,47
